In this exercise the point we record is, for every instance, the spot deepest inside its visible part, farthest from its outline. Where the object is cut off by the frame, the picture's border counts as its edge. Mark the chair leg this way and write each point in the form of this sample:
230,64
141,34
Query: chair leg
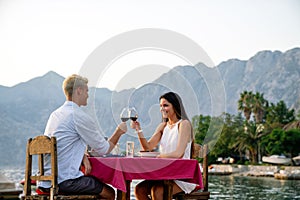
179,197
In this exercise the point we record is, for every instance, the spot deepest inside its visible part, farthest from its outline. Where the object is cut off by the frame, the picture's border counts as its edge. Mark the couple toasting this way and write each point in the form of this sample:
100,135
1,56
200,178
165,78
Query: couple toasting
74,130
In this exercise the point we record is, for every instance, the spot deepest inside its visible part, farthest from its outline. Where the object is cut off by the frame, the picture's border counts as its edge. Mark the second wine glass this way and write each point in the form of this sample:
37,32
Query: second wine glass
133,115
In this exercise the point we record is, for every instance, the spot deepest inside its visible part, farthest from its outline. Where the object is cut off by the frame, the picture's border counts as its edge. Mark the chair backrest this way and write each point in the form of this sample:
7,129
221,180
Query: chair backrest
202,152
40,146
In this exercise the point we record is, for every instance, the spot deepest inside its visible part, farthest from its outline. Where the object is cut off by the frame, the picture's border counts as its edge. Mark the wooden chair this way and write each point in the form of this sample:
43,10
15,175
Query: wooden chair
39,146
200,152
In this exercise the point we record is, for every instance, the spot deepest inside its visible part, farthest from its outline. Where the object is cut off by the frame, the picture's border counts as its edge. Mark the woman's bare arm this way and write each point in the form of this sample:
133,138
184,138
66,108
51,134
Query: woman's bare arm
185,135
154,140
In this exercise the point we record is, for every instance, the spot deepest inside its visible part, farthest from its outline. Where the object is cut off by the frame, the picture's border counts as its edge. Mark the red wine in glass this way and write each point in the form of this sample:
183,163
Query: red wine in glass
124,115
133,114
133,118
124,119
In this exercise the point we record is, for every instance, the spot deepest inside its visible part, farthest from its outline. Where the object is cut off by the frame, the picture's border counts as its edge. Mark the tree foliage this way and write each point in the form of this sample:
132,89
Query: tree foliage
260,134
282,142
272,143
280,114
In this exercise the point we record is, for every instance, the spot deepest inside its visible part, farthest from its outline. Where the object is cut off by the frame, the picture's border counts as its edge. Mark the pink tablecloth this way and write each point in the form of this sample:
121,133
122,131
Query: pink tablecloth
116,170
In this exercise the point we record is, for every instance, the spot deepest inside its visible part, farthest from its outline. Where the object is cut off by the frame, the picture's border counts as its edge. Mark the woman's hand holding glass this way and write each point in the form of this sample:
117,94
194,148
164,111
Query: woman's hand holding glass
135,125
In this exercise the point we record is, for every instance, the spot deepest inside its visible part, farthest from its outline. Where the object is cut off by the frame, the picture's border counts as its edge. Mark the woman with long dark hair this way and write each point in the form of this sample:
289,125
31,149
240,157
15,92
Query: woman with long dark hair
175,138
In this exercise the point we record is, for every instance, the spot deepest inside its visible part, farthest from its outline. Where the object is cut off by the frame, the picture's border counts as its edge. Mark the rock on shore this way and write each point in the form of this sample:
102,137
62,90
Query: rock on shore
290,173
278,172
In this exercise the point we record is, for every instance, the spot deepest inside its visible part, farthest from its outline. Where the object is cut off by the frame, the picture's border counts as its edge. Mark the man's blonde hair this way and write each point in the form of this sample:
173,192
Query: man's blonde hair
73,82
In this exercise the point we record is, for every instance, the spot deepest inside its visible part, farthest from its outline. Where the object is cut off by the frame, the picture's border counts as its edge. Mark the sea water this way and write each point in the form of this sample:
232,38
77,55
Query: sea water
224,187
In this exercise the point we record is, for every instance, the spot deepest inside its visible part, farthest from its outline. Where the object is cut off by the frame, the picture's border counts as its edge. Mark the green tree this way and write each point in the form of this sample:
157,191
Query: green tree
259,107
245,104
279,115
207,131
200,125
237,129
282,142
233,126
249,139
255,104
206,127
220,149
291,141
240,135
272,143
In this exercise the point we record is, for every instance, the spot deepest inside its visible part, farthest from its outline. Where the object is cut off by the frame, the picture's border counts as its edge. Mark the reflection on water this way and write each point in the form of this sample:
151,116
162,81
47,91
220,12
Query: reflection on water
236,187
227,187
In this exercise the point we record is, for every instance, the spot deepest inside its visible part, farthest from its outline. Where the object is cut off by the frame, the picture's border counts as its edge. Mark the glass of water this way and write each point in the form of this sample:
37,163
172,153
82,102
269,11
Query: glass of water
130,149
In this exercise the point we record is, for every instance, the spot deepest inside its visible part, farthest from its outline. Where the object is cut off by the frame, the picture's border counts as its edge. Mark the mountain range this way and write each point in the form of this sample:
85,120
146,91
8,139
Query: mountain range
26,106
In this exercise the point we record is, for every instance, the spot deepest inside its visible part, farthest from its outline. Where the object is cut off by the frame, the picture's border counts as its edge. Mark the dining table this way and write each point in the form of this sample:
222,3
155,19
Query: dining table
120,171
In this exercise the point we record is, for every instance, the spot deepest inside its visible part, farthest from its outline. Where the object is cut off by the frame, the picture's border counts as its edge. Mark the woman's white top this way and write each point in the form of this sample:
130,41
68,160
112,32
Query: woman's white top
168,143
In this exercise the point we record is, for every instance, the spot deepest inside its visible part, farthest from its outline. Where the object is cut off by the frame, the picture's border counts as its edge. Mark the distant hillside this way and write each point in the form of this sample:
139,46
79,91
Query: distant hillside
26,107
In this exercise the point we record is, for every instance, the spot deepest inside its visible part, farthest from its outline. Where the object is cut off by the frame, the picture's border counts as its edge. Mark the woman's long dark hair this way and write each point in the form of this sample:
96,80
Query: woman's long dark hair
176,102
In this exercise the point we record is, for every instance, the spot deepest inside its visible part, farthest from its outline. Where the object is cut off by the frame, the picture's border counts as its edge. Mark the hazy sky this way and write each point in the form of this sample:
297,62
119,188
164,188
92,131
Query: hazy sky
37,36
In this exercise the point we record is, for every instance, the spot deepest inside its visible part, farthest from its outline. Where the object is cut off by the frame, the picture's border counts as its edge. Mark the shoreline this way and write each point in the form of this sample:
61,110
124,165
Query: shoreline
278,172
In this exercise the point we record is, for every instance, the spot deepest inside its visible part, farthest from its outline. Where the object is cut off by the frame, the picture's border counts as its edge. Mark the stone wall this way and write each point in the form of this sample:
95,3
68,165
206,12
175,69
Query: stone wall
288,173
254,170
285,172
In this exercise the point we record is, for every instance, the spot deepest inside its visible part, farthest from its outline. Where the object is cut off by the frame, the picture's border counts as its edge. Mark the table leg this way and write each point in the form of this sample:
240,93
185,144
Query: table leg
124,195
121,195
168,189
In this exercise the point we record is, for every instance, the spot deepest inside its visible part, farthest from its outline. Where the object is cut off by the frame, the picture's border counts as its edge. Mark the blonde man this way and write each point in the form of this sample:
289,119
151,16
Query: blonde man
74,130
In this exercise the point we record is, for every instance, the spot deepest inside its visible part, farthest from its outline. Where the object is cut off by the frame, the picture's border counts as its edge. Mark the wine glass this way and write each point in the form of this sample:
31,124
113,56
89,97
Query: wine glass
124,114
133,114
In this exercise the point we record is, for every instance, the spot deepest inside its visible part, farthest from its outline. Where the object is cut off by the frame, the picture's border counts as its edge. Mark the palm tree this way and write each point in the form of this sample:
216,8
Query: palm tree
245,104
292,125
259,107
250,140
252,103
